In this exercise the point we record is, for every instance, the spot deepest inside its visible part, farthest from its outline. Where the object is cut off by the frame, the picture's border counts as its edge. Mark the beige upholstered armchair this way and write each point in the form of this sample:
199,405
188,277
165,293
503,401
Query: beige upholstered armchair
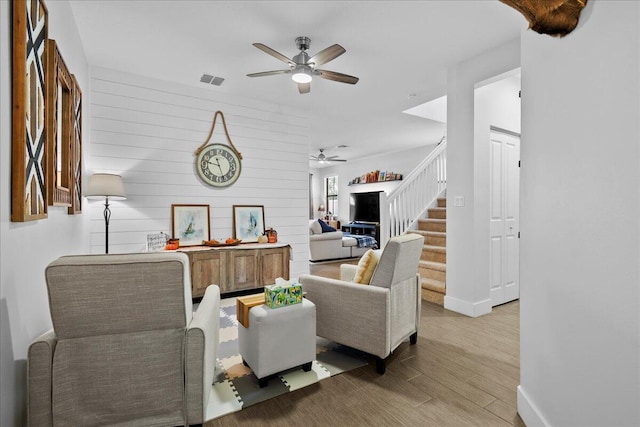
373,318
125,348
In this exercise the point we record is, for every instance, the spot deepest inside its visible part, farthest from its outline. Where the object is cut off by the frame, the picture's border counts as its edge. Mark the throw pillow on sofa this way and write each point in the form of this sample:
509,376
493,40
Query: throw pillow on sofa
315,228
366,266
326,228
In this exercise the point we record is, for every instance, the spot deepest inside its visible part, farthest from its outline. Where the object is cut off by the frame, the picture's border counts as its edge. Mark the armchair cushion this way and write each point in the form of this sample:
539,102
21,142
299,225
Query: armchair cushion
366,266
333,235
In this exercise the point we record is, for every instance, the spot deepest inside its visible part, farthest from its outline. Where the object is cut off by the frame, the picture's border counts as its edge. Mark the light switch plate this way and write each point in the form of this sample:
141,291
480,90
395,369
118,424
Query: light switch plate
458,201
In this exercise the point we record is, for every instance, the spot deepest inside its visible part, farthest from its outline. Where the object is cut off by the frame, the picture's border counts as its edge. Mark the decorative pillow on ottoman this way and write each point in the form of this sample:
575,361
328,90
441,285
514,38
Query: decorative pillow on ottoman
325,227
366,266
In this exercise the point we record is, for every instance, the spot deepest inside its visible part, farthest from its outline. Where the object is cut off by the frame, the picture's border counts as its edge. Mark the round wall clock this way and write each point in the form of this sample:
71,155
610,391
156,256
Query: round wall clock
218,165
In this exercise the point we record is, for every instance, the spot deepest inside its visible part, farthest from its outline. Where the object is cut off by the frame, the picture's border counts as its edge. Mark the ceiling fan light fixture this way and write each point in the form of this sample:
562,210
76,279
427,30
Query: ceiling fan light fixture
301,75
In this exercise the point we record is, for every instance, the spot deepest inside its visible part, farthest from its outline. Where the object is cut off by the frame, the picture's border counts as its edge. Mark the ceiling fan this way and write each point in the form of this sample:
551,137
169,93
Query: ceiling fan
322,158
302,67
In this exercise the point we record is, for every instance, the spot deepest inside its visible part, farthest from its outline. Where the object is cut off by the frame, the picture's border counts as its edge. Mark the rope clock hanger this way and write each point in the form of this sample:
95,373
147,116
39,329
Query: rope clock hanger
218,165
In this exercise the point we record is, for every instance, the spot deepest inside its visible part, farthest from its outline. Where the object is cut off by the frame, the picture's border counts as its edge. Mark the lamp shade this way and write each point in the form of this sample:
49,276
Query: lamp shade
321,208
102,185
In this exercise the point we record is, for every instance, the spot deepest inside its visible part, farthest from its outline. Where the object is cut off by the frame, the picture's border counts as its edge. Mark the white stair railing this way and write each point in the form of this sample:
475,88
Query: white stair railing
410,200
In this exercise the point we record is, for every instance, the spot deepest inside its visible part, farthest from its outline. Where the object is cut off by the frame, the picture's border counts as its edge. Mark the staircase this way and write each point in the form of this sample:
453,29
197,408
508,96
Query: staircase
403,209
433,262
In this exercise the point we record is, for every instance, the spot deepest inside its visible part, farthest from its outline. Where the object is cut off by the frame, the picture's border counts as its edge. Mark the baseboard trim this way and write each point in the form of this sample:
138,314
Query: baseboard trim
470,309
528,411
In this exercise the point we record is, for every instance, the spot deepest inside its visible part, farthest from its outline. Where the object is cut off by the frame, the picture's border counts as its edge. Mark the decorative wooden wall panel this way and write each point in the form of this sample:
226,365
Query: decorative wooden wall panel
60,131
76,151
28,198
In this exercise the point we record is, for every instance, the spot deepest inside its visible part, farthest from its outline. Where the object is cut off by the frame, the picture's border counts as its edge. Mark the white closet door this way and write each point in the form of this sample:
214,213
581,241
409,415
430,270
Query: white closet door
504,193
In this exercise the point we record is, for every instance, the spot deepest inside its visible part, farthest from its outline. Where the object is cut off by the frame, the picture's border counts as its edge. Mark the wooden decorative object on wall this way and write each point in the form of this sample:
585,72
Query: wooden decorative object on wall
76,150
28,187
554,17
60,132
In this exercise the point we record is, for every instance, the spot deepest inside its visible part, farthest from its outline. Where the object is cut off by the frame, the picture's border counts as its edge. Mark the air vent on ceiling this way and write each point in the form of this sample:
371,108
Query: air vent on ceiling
209,79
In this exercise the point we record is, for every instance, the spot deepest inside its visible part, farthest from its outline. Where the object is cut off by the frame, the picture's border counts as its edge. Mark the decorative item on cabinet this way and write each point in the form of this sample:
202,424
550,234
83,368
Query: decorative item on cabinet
156,242
272,235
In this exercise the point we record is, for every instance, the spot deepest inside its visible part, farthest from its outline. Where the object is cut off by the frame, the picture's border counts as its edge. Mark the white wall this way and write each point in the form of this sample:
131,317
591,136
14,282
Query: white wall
147,130
580,245
496,104
465,293
401,162
27,248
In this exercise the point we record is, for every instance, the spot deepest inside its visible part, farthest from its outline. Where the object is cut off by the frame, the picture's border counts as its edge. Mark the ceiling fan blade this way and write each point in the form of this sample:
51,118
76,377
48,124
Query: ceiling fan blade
274,53
269,73
338,77
326,55
313,157
336,160
304,87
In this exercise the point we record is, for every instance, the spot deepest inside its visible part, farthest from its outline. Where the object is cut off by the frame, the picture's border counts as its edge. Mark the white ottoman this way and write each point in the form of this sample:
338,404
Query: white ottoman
278,339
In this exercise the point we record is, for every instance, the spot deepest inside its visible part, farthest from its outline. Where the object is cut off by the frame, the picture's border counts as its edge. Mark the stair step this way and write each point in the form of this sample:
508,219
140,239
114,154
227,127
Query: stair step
434,253
440,213
432,270
434,285
432,296
433,265
434,238
432,224
442,202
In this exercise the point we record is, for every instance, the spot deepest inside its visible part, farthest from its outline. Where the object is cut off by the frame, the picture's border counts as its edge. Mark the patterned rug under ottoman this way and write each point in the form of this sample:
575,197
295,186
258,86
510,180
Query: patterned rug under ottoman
235,387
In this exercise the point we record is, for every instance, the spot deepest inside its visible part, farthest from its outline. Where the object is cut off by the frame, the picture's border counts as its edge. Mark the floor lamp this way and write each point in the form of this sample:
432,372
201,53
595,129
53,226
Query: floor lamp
105,186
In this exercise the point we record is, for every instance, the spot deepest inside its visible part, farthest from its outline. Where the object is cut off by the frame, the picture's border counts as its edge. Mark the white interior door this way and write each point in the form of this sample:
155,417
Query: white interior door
504,193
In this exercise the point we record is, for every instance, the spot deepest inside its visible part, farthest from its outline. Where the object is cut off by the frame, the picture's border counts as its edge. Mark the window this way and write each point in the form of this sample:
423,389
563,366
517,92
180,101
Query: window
332,196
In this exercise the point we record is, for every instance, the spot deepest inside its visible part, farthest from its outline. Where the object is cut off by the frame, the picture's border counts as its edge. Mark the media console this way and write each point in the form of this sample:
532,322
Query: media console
359,228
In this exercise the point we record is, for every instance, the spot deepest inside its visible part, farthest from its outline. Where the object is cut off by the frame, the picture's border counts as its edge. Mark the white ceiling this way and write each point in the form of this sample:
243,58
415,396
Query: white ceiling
396,48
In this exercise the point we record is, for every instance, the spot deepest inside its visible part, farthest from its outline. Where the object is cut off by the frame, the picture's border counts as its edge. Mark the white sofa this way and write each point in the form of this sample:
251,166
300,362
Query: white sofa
331,244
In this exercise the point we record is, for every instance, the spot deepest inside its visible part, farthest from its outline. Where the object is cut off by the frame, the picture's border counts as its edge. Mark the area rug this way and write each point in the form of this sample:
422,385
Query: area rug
235,387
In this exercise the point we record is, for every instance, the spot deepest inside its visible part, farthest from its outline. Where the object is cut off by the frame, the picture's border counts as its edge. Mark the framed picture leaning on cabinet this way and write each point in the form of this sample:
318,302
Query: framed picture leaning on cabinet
190,224
248,222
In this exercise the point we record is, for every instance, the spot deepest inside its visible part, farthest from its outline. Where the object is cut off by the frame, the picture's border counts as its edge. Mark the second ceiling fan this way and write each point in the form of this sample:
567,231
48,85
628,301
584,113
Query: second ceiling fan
322,158
302,67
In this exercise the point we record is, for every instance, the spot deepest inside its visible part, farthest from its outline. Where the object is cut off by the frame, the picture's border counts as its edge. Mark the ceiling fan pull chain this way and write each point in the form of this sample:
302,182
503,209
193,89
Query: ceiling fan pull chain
226,133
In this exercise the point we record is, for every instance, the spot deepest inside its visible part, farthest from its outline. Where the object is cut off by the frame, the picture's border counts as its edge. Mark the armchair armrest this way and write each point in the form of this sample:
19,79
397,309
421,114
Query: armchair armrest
40,374
351,314
201,351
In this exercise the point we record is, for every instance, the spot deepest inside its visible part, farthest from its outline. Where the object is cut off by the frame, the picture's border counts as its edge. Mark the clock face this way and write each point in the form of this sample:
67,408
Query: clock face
218,165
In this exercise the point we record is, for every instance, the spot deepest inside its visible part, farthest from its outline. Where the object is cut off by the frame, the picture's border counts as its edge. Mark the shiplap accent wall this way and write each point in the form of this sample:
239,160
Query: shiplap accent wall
147,130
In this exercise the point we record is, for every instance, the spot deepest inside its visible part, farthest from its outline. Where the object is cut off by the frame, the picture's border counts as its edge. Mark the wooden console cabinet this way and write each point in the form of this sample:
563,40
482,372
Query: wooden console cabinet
236,268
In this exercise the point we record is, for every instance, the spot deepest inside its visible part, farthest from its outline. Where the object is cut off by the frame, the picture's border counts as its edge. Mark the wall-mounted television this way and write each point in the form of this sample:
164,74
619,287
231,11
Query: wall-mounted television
364,207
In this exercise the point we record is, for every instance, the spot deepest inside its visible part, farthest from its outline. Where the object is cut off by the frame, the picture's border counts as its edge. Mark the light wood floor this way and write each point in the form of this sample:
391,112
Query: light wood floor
462,372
